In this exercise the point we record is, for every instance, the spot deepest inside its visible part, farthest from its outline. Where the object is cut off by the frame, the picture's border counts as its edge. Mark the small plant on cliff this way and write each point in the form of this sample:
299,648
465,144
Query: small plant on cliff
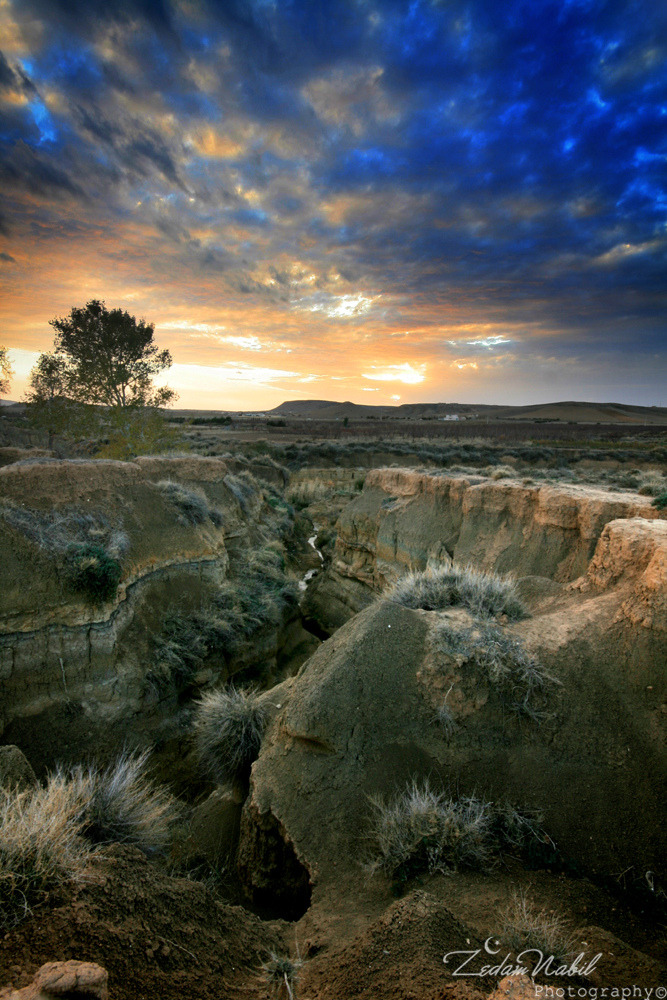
58,531
258,598
307,491
504,661
442,587
192,505
41,847
244,488
85,546
94,571
229,726
527,927
660,502
124,806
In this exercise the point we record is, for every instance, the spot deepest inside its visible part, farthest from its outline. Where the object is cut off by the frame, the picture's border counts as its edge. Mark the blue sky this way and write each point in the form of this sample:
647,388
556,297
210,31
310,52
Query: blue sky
369,200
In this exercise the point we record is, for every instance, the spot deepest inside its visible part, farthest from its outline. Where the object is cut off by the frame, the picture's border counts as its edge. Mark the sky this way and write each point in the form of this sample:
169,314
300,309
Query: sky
377,200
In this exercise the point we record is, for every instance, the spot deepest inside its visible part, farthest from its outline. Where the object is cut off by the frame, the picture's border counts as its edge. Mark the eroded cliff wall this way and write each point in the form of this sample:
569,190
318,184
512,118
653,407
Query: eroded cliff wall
73,661
404,520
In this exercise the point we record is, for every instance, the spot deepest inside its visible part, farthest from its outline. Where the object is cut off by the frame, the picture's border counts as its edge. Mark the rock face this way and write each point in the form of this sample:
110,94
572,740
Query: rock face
404,520
360,717
15,769
76,664
83,980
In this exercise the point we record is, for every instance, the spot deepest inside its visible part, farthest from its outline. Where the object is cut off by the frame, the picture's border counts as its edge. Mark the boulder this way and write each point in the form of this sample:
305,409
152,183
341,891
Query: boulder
71,979
15,769
214,826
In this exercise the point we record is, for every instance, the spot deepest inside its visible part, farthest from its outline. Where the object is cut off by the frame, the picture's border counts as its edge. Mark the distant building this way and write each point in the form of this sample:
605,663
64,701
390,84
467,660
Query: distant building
450,416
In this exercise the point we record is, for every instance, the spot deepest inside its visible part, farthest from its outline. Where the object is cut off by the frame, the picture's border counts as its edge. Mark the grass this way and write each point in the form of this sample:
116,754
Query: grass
48,834
306,491
527,927
244,488
41,847
505,663
421,830
424,830
281,974
444,587
123,806
193,505
229,726
256,599
444,717
651,483
58,531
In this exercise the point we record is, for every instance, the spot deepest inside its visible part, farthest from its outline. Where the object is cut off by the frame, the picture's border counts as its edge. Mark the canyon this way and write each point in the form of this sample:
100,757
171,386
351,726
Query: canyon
353,681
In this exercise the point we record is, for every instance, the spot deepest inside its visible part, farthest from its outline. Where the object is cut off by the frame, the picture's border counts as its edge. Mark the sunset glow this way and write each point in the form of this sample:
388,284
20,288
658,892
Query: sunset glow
372,200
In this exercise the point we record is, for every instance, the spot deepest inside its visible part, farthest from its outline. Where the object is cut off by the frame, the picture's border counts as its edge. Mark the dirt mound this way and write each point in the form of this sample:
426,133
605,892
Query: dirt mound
398,957
361,718
158,937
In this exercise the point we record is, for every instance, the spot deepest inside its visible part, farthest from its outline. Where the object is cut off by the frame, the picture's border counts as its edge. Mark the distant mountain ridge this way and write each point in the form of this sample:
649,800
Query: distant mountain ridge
323,409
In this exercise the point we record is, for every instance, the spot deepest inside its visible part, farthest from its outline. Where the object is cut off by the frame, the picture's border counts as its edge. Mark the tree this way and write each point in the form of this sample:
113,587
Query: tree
111,357
50,408
6,371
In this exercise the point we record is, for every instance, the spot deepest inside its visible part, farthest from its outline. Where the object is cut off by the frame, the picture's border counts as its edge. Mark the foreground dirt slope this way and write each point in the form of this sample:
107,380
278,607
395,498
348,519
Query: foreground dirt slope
159,938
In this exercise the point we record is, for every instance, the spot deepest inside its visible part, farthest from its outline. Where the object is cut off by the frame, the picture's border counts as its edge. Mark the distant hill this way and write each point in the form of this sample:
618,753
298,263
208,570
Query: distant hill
581,412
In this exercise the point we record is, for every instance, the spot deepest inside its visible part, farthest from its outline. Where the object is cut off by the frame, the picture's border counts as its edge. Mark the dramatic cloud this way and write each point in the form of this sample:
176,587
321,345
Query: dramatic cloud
467,199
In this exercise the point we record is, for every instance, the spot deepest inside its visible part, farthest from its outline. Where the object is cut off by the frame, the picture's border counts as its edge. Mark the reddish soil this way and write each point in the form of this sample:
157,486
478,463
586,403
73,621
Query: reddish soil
159,938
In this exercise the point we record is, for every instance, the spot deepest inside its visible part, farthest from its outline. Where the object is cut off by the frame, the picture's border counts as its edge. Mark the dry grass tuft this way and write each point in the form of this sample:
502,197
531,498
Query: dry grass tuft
424,830
306,491
193,505
124,806
527,927
41,847
443,587
229,726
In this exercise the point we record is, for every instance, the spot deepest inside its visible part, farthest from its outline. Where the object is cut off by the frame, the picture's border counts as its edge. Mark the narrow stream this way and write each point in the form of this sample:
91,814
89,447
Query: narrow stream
303,583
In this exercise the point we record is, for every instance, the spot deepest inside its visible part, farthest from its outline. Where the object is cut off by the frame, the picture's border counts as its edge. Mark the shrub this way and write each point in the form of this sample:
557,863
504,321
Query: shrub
501,472
424,830
229,726
503,660
40,844
651,483
94,571
660,501
123,805
444,717
528,927
240,608
192,504
435,589
58,531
